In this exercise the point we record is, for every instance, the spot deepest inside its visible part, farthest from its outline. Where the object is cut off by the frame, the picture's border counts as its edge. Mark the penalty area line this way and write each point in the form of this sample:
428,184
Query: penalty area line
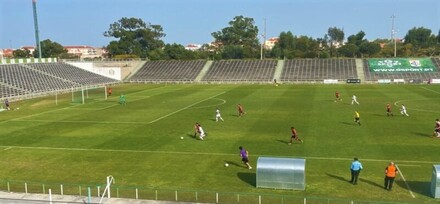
404,180
201,153
7,148
186,107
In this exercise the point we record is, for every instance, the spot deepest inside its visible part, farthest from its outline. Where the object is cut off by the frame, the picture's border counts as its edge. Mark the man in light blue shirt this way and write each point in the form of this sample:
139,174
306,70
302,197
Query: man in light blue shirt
355,169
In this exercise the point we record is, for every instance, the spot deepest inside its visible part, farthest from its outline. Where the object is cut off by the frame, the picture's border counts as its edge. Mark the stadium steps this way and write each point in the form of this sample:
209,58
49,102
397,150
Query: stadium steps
204,71
135,68
49,74
278,70
32,198
360,70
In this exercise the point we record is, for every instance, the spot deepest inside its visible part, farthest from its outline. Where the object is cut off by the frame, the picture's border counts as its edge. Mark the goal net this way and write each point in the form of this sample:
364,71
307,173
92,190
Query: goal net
89,94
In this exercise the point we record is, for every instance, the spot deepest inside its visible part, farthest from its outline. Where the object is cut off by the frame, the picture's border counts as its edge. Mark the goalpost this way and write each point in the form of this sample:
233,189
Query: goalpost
110,181
86,94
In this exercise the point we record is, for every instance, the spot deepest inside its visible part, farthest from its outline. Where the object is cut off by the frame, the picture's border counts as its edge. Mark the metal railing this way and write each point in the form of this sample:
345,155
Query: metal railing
177,195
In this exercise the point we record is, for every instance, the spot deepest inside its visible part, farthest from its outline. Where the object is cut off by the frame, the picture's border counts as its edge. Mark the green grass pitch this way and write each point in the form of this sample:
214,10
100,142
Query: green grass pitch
140,144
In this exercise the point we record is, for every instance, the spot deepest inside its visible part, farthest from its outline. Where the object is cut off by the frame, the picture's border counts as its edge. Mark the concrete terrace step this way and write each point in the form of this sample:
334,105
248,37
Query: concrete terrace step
27,198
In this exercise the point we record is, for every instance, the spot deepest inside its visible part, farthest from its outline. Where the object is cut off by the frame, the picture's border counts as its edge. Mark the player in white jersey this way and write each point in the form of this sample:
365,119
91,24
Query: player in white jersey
201,132
403,110
354,100
218,115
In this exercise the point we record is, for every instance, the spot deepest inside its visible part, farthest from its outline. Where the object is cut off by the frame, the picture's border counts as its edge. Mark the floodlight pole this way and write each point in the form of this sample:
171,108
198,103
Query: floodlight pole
37,35
393,34
264,41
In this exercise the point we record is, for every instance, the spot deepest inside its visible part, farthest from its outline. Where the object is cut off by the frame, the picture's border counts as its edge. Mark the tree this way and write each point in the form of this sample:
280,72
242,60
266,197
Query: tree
306,47
419,38
242,32
21,53
178,52
233,52
369,48
50,49
357,39
438,37
336,36
135,37
349,50
285,45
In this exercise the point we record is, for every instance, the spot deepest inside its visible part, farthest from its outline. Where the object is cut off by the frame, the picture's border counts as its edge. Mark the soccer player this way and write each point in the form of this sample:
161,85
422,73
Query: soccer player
196,130
7,104
109,91
389,112
338,96
357,118
240,110
122,100
403,110
437,128
294,136
218,115
201,132
245,157
354,100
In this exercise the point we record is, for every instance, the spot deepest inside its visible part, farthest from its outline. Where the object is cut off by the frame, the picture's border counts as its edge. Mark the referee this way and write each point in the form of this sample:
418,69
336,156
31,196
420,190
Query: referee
355,169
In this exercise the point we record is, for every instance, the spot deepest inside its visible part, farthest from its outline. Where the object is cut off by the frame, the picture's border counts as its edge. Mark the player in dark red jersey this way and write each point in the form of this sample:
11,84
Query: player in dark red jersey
437,128
337,96
196,129
240,110
389,112
294,136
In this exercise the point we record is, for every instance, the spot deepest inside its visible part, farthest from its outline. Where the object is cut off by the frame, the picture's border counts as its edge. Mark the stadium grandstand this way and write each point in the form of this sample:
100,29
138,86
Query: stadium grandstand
318,69
241,70
168,71
30,78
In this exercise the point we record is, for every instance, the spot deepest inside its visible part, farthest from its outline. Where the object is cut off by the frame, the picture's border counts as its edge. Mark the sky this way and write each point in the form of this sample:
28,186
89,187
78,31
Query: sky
83,22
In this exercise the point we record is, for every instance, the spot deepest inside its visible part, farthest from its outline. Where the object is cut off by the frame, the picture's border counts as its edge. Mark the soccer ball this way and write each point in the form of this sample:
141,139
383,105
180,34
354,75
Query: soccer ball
226,164
181,138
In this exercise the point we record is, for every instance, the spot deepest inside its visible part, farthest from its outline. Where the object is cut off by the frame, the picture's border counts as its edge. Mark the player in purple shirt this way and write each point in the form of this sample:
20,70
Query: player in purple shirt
244,157
7,104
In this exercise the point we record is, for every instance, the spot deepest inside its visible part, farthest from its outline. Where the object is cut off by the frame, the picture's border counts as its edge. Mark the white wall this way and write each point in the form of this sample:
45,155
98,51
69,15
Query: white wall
111,72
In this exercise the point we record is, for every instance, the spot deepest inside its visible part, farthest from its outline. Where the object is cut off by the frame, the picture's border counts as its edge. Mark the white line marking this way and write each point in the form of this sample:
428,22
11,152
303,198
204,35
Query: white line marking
208,106
415,109
430,90
404,180
81,121
408,165
204,153
184,108
73,106
7,148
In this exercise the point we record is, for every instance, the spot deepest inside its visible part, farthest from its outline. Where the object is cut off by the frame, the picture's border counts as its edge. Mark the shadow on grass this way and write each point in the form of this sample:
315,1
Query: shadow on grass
283,141
191,136
420,187
233,163
347,123
422,134
370,183
249,178
338,177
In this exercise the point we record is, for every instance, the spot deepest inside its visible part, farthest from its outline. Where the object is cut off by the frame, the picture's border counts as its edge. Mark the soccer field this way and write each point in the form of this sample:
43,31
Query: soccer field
140,143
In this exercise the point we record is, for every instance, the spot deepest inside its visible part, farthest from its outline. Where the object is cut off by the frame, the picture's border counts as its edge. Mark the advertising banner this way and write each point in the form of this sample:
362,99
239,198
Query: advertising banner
401,65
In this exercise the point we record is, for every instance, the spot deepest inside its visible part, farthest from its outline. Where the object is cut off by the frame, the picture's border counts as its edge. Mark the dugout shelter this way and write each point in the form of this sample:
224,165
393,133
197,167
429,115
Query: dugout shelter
281,173
435,181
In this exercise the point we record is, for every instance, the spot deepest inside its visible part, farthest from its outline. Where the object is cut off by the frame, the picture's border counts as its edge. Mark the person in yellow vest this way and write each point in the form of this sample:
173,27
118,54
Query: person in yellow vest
391,172
357,118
